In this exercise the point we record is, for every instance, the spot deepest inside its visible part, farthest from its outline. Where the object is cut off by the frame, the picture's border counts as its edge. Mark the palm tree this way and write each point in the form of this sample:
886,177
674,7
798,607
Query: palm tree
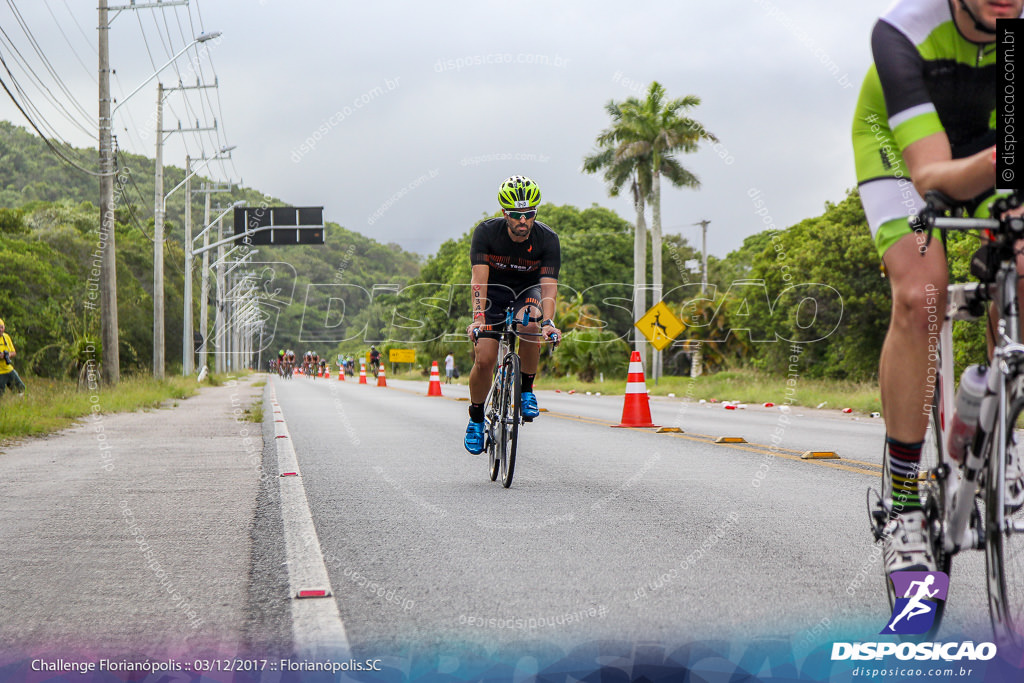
647,134
621,169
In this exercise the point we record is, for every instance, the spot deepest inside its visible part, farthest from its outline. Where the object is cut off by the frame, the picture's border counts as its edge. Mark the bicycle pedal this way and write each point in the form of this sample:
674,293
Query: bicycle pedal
527,419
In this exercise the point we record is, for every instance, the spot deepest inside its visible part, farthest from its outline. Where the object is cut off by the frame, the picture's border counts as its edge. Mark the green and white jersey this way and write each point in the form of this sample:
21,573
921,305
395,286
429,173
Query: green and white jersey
926,78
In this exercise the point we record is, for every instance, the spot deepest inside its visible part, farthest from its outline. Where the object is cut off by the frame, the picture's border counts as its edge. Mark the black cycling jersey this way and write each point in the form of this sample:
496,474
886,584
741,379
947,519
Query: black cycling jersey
516,265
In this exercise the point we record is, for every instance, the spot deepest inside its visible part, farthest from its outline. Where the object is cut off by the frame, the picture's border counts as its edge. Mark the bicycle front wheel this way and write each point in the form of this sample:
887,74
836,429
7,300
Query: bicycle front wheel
492,435
509,422
1004,542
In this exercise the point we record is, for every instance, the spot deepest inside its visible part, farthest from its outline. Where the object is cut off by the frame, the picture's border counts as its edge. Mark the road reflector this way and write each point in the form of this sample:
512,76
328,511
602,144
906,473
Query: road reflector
289,474
669,430
313,593
730,439
281,436
819,455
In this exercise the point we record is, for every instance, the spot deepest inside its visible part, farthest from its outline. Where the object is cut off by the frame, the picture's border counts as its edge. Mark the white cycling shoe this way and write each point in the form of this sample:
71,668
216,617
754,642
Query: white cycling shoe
905,545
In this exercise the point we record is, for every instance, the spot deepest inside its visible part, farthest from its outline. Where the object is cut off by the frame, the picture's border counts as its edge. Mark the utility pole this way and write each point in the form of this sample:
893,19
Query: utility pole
158,240
159,211
111,371
188,352
108,271
218,323
204,287
697,363
704,253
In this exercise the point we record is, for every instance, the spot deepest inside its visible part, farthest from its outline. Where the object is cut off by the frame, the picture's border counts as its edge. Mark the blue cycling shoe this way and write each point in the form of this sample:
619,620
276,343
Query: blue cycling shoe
475,438
530,409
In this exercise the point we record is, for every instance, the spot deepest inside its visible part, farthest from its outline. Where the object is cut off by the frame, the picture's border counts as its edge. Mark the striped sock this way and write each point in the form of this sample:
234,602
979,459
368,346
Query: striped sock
904,462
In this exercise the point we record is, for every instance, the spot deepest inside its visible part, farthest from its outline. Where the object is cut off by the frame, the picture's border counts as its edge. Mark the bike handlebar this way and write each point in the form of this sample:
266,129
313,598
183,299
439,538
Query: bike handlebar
939,204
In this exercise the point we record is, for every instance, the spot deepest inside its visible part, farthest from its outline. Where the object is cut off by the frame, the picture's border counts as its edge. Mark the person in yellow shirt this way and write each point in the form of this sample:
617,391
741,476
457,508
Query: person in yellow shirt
8,375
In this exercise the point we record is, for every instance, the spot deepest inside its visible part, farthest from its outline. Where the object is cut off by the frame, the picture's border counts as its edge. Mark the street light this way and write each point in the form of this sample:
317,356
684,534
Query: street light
108,277
188,332
202,38
158,209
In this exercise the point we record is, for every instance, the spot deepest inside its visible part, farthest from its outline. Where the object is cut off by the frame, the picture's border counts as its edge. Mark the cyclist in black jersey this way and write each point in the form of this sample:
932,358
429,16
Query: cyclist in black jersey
925,121
515,260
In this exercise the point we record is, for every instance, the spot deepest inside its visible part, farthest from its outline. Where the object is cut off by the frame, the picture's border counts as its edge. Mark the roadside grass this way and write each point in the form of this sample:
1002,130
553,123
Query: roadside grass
254,413
51,405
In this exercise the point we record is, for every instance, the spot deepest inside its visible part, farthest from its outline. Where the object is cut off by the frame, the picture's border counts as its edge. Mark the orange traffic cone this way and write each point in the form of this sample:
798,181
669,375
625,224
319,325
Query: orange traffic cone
362,373
381,381
636,411
327,372
341,374
435,381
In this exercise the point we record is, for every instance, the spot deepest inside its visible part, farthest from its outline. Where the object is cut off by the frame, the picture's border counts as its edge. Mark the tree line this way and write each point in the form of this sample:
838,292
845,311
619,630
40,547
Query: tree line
817,283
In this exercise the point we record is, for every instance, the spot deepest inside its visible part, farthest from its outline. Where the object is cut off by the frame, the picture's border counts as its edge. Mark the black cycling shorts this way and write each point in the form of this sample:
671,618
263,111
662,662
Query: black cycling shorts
499,297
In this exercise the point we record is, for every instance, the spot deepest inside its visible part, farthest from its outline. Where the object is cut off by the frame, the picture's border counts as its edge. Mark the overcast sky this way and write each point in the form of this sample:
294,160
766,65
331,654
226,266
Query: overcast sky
401,119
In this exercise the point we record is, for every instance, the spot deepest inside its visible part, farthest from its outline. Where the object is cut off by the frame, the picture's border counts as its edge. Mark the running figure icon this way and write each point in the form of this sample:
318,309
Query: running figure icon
914,612
915,607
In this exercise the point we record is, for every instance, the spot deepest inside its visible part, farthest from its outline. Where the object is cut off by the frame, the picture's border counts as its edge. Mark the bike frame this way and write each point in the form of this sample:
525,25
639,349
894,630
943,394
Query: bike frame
960,488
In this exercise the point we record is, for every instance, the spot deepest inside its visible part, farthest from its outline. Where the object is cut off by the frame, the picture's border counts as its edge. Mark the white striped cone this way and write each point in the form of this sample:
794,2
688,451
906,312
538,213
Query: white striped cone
381,381
434,389
636,410
362,373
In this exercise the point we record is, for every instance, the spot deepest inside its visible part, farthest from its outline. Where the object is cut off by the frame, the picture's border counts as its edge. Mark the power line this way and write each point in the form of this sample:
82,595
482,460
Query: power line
46,62
45,139
68,41
33,76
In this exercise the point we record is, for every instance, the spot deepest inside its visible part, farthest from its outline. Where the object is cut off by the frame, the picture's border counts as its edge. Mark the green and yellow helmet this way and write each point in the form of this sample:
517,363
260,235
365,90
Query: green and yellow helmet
518,192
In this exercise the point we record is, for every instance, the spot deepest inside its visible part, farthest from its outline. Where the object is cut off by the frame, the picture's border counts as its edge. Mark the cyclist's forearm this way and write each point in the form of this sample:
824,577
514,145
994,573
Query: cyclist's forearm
548,297
478,291
933,168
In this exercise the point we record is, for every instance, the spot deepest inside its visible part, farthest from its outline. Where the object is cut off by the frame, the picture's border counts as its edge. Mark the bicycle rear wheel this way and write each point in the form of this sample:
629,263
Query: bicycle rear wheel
509,418
1004,545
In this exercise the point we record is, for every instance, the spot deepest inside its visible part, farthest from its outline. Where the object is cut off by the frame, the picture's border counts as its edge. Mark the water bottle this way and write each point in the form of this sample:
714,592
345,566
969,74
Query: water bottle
966,410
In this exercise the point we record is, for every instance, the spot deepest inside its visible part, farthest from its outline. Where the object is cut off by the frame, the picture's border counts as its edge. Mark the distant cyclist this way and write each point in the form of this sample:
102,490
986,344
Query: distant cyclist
515,260
374,359
925,121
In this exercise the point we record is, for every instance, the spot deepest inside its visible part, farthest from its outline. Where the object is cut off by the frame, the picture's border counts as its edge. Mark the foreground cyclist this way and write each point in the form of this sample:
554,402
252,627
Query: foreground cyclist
925,115
515,258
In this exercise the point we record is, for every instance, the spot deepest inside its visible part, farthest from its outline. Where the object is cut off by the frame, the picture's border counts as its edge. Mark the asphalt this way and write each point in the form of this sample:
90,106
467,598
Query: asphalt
153,534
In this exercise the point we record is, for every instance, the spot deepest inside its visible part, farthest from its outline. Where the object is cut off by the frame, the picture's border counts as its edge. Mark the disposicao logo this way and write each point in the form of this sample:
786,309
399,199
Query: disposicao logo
914,613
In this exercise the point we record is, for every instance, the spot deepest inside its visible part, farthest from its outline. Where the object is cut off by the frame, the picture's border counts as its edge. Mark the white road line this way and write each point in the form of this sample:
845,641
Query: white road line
317,629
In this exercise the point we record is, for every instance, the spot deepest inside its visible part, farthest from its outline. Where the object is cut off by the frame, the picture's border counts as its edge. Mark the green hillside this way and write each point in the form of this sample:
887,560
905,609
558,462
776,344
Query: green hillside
49,229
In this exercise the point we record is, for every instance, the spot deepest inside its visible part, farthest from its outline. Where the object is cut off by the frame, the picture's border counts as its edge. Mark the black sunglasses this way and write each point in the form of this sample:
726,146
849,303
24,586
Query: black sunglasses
516,215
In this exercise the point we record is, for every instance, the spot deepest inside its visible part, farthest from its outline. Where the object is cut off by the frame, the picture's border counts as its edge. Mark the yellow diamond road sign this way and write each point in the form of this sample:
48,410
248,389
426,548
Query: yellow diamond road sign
660,325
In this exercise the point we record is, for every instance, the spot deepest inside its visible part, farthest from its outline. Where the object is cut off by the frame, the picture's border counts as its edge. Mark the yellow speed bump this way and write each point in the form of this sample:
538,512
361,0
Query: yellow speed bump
819,455
669,430
730,439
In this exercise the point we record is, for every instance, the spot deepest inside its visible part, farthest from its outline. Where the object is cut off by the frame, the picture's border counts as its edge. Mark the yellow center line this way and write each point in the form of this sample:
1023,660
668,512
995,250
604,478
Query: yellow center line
752,448
785,453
